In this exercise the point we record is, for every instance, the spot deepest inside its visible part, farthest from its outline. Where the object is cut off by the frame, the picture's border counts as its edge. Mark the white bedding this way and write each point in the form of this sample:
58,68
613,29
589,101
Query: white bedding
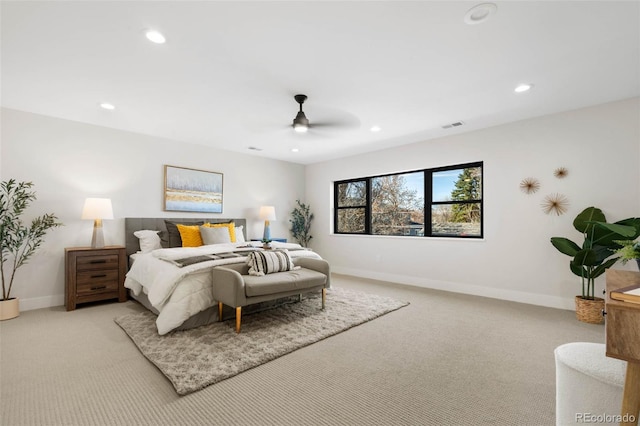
179,293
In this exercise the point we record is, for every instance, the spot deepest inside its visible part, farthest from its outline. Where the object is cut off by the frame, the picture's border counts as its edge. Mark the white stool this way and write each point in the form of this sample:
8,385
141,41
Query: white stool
589,384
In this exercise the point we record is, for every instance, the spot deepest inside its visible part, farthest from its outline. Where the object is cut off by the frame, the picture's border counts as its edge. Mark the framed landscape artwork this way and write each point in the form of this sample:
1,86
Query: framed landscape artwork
191,190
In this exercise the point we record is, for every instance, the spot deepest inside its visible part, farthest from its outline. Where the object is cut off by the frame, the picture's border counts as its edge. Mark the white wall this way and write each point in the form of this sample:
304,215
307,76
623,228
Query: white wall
69,161
600,147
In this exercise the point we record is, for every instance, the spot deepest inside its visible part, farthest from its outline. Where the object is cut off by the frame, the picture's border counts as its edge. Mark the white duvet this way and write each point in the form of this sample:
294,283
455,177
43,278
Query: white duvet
179,293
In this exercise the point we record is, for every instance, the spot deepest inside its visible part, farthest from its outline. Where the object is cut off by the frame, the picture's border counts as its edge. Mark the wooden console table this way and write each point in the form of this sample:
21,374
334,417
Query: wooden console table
623,338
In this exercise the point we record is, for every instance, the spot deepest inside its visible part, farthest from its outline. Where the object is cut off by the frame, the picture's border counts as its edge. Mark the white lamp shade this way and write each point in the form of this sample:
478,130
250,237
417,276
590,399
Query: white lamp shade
97,208
267,213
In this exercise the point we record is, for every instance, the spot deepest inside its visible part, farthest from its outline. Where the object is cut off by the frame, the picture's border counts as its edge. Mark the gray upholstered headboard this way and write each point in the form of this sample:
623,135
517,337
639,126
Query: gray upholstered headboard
132,224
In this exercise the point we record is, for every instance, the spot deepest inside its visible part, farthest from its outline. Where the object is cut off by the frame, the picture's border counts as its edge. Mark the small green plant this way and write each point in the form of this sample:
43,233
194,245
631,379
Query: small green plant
19,242
301,217
630,250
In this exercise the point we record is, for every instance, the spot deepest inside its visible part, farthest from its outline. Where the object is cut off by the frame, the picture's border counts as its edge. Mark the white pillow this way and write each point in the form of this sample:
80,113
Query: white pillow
149,240
240,234
219,235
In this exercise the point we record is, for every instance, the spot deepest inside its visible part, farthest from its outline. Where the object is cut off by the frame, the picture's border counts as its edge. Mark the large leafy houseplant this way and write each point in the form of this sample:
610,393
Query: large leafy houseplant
301,217
601,240
18,241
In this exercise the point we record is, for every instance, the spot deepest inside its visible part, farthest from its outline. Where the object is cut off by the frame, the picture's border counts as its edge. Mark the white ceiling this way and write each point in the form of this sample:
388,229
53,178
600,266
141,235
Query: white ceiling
227,74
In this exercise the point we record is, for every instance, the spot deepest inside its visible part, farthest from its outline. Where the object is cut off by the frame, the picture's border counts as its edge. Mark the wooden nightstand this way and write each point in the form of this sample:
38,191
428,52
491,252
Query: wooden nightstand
94,274
622,335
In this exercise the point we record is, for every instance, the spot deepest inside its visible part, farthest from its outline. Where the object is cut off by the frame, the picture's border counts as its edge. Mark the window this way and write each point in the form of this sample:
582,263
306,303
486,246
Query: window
351,203
441,202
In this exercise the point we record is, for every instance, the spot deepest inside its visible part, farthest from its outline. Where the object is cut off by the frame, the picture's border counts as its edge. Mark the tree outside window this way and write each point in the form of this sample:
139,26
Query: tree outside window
446,201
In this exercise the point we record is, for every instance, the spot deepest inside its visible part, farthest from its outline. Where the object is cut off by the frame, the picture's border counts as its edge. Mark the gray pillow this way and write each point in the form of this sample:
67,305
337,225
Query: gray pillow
215,235
175,240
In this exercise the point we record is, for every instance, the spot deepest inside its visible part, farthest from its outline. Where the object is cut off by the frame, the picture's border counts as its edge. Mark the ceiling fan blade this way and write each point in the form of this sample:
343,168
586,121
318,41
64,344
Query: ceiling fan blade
346,122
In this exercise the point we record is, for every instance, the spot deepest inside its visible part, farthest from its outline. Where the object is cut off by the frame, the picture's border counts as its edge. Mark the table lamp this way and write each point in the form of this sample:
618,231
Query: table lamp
267,213
97,209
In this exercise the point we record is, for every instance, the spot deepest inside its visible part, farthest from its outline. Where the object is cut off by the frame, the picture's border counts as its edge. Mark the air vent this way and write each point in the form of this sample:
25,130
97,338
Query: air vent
456,124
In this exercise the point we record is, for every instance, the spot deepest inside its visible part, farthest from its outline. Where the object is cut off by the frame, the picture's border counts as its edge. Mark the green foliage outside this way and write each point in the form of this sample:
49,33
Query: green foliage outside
467,187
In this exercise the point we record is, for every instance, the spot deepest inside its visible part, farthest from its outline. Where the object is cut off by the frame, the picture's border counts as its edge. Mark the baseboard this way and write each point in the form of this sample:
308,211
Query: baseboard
475,290
41,302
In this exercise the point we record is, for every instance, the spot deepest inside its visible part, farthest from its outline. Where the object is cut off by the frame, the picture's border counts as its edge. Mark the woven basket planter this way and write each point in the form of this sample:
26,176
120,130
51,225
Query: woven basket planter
590,310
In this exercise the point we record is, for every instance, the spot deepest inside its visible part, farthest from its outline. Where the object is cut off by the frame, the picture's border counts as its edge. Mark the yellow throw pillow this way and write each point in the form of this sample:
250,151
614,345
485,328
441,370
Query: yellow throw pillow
231,226
190,235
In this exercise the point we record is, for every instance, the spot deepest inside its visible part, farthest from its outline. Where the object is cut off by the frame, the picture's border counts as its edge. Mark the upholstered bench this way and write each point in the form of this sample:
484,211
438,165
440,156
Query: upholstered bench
235,287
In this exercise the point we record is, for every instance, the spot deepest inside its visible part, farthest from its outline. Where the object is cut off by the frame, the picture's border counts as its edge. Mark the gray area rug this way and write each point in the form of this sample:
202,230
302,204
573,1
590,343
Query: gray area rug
194,359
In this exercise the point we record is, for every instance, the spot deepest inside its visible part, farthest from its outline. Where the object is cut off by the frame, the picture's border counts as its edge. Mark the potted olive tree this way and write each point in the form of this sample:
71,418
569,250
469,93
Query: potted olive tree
18,242
594,256
301,217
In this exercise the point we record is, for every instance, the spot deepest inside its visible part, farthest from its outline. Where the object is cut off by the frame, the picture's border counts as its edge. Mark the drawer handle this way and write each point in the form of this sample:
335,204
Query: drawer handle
99,287
98,261
99,276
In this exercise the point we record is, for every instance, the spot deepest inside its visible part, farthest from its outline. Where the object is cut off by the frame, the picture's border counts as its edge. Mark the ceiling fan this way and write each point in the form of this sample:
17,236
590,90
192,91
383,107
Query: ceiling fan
301,123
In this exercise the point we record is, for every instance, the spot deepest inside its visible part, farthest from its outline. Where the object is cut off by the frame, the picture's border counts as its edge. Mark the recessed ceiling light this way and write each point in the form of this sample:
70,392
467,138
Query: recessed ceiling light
375,128
106,105
480,13
523,88
294,150
155,36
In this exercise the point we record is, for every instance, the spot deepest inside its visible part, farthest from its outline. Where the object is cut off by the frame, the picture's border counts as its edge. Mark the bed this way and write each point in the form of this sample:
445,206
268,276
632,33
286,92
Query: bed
175,282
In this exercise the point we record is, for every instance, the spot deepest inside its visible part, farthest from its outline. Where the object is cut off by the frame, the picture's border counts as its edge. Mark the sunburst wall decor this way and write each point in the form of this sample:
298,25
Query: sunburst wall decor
555,203
529,185
560,172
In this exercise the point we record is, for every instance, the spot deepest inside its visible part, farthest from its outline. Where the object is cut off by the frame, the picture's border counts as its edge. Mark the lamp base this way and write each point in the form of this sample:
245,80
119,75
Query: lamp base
266,235
97,241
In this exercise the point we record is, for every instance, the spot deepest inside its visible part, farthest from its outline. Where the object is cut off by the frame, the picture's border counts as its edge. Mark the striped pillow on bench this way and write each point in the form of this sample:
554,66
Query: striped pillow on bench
268,262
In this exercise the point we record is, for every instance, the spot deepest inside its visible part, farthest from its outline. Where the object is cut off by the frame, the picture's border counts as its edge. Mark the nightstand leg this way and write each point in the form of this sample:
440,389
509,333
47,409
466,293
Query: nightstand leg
219,311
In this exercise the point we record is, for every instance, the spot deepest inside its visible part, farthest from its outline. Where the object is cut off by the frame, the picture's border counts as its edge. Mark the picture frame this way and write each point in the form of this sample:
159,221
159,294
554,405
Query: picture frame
192,190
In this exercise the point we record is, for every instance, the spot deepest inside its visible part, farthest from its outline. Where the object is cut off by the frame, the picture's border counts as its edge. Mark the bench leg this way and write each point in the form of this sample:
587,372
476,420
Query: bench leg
324,296
220,311
238,318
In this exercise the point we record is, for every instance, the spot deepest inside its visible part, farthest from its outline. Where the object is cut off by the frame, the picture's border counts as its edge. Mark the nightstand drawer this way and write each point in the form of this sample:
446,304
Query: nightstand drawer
96,277
104,261
97,288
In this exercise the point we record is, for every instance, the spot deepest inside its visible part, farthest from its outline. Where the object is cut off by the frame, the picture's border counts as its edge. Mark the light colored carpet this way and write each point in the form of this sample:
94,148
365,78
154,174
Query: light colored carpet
446,359
194,359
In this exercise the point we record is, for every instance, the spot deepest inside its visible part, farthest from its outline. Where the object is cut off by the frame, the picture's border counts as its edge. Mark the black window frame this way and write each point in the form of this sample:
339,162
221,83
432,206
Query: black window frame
428,201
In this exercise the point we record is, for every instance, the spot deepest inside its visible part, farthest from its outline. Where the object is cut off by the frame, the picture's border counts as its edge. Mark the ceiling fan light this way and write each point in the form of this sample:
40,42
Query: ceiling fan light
300,123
